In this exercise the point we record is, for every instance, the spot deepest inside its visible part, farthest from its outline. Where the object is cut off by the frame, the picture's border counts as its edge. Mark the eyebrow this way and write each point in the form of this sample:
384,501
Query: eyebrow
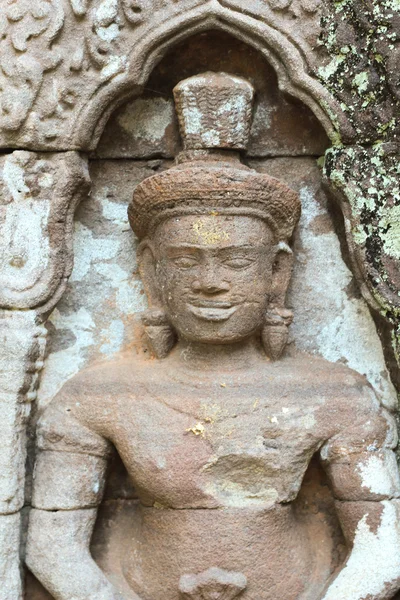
211,246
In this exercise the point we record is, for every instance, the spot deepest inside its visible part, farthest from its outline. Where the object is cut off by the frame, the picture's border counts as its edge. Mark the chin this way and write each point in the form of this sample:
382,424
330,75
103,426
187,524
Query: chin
216,333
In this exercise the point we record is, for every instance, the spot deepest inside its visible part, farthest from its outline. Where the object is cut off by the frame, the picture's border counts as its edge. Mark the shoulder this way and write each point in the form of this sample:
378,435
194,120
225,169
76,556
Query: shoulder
340,397
104,382
80,415
319,378
103,377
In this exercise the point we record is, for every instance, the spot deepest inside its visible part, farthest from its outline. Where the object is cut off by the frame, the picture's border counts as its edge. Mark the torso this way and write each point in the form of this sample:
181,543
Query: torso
217,459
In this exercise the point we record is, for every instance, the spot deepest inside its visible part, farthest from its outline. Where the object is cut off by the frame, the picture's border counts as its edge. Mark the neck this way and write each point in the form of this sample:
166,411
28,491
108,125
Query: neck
225,357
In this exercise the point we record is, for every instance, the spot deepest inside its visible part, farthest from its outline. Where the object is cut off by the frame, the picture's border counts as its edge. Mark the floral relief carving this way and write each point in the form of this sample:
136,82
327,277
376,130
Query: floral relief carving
25,55
38,195
47,81
79,7
309,6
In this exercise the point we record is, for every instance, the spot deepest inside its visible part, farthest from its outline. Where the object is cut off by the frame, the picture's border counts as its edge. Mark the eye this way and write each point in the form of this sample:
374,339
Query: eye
238,263
185,262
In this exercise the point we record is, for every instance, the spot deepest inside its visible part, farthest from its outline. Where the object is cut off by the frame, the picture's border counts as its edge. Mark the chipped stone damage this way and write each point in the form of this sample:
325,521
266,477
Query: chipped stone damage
368,548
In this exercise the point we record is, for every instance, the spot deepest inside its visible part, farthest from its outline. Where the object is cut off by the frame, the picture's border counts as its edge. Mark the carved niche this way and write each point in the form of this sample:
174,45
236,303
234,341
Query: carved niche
227,441
66,65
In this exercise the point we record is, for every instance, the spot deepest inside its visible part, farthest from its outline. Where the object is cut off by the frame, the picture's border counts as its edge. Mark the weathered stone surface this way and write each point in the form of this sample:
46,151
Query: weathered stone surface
22,343
331,319
362,41
10,576
365,182
217,423
148,127
38,197
67,65
144,128
97,316
85,329
64,66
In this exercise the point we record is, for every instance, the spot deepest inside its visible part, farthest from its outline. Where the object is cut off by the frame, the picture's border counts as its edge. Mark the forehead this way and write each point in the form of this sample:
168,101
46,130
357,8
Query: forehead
214,230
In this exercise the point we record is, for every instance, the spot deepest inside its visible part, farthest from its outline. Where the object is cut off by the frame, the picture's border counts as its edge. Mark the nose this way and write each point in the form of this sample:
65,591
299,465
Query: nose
210,283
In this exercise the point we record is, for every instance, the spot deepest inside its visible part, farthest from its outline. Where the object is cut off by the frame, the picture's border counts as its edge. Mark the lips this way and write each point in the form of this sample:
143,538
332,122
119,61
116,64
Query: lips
212,311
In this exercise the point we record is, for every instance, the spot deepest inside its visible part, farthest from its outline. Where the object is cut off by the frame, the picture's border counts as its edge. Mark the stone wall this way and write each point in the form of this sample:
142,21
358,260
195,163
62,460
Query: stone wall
325,75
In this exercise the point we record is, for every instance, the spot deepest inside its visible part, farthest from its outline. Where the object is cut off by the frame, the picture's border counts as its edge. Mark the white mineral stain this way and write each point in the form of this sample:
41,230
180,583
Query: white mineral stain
128,296
89,249
193,120
14,178
106,17
23,232
108,34
106,13
106,291
376,554
147,119
380,474
115,65
211,137
114,211
262,117
308,421
113,337
327,322
46,180
62,365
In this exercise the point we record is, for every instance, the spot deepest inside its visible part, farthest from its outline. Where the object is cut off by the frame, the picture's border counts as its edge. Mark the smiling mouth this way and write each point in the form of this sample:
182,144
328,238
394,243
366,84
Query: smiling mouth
213,311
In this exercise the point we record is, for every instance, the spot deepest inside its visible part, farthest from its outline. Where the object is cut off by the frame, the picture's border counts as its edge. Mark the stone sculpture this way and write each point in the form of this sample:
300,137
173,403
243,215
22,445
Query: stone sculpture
218,431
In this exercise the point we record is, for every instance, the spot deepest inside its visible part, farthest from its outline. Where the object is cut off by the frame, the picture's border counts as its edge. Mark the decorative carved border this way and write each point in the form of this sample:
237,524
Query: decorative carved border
38,197
65,67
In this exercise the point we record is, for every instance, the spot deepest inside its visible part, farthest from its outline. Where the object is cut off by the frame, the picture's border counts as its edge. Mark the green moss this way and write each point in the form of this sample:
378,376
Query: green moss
359,37
368,179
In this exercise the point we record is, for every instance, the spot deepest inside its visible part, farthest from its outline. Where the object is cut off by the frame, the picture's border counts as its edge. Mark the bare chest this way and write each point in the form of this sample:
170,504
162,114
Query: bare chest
242,451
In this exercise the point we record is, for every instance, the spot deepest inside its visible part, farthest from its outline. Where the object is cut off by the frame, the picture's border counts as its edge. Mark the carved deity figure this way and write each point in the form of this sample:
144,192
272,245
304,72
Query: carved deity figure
218,430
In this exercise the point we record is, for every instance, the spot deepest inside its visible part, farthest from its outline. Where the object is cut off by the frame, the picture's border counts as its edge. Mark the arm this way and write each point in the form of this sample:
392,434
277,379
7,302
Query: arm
364,477
69,480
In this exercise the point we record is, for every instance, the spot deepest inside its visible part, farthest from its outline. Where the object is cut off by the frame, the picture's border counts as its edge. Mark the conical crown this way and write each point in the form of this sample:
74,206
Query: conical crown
214,112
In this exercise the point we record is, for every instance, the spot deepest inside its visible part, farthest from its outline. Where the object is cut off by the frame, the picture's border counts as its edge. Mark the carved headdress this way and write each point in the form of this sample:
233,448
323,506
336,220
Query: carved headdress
214,111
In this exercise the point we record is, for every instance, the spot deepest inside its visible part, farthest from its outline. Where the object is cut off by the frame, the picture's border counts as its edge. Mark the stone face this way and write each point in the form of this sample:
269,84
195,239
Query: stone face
84,329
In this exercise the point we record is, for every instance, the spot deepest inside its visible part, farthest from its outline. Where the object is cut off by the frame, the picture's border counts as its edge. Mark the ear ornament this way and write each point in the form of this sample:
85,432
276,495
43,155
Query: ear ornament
159,333
275,332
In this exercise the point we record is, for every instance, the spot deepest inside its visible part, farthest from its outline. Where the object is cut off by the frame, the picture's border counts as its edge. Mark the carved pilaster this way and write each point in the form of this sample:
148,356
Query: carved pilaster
38,196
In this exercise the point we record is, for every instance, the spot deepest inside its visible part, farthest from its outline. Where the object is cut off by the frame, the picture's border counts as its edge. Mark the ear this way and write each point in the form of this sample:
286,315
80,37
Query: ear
281,274
274,334
147,269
